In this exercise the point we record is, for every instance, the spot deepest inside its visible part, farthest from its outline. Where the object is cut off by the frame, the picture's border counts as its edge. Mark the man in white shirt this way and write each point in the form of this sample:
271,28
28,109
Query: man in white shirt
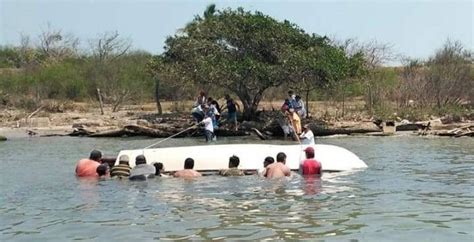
208,127
307,137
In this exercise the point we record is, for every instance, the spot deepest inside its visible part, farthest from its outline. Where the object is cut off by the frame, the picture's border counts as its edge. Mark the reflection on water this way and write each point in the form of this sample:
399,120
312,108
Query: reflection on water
415,189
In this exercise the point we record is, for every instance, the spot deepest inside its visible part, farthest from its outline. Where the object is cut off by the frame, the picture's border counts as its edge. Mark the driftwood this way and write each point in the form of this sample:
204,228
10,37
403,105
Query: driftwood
138,130
467,130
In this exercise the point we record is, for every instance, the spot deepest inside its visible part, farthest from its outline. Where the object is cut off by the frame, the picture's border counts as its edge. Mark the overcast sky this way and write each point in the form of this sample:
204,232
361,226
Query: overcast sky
414,28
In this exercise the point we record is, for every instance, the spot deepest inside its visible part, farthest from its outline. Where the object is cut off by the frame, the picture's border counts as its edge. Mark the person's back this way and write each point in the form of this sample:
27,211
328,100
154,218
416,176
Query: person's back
278,169
88,167
310,166
122,169
188,171
142,169
233,170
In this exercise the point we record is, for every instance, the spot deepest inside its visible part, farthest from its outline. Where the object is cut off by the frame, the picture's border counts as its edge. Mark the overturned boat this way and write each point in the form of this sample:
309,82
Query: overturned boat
216,157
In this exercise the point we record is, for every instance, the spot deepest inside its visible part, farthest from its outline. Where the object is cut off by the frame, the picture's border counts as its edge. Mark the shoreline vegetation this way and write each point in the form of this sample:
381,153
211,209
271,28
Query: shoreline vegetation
85,120
55,81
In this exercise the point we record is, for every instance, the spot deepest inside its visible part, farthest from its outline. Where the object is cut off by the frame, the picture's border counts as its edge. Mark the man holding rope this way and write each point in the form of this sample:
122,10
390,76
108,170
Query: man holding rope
208,126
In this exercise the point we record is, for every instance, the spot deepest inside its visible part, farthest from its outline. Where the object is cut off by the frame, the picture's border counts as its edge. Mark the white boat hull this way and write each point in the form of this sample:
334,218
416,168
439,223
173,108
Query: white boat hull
216,157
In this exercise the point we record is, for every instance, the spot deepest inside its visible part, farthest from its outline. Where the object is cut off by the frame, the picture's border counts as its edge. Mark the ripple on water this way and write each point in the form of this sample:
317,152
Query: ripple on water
414,189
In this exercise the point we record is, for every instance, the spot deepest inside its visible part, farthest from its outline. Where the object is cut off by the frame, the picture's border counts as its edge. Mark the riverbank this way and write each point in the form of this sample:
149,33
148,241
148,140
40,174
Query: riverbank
83,119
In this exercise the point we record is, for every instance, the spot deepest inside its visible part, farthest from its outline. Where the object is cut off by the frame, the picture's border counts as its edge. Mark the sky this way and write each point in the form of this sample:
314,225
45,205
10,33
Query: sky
414,28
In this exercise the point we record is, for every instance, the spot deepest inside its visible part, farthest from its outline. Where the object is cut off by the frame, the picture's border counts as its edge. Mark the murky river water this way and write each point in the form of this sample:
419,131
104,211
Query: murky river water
415,189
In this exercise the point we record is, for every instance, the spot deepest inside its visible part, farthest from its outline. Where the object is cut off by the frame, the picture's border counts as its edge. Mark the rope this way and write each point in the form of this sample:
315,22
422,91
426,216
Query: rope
174,135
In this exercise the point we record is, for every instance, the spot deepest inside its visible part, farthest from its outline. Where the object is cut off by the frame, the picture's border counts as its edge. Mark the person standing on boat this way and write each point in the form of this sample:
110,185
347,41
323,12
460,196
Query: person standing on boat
232,108
142,170
188,171
310,166
233,168
278,169
88,167
122,169
208,127
307,137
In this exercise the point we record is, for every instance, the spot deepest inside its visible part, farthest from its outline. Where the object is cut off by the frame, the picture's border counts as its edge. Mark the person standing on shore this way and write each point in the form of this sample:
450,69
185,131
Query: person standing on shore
232,108
299,108
88,167
208,127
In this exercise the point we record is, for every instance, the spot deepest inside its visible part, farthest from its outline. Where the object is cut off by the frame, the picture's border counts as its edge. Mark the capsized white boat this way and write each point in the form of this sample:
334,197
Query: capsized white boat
216,157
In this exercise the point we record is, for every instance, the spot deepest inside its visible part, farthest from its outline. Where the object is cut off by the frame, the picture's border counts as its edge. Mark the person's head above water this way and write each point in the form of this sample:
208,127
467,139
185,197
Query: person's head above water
281,157
123,159
158,168
234,161
268,160
95,155
140,160
309,152
102,169
189,163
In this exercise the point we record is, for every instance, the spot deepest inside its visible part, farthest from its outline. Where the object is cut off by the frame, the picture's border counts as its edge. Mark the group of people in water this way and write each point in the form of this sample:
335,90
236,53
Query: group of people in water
95,166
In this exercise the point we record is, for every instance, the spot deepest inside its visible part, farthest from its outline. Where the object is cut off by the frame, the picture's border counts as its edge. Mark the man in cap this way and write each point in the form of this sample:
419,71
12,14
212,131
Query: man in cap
142,170
307,137
88,167
122,169
310,166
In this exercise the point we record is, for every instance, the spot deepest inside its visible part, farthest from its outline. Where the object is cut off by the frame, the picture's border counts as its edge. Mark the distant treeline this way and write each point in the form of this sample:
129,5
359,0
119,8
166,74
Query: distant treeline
247,54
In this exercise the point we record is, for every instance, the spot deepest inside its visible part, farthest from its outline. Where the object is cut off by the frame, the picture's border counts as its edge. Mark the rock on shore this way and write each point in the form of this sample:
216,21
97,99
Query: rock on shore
3,138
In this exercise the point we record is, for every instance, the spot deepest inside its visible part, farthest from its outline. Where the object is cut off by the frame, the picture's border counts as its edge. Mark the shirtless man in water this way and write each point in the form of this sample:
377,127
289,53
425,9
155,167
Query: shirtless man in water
188,170
278,169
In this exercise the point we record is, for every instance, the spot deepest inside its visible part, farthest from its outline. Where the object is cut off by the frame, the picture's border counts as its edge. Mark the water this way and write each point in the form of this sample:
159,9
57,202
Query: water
415,189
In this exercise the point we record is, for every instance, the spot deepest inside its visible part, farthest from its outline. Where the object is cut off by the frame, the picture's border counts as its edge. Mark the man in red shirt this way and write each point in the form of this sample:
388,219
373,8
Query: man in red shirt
88,167
310,166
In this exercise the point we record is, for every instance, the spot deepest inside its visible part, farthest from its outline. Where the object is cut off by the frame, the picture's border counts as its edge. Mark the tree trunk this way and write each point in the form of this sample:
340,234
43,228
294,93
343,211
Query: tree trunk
307,103
250,105
157,96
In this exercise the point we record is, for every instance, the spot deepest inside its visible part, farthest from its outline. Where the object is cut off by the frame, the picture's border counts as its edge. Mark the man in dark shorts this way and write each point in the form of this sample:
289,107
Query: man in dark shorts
310,166
232,108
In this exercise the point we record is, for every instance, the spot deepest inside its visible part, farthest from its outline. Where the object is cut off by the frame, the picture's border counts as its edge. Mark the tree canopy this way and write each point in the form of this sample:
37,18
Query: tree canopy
248,52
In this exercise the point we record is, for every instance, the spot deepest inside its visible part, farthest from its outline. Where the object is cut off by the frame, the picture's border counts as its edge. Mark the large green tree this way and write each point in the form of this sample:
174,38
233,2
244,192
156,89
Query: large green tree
246,53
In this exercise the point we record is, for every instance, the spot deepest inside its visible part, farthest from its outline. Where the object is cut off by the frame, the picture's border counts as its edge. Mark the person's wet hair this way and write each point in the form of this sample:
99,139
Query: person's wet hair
281,157
234,161
102,170
268,160
95,155
189,163
140,160
158,168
